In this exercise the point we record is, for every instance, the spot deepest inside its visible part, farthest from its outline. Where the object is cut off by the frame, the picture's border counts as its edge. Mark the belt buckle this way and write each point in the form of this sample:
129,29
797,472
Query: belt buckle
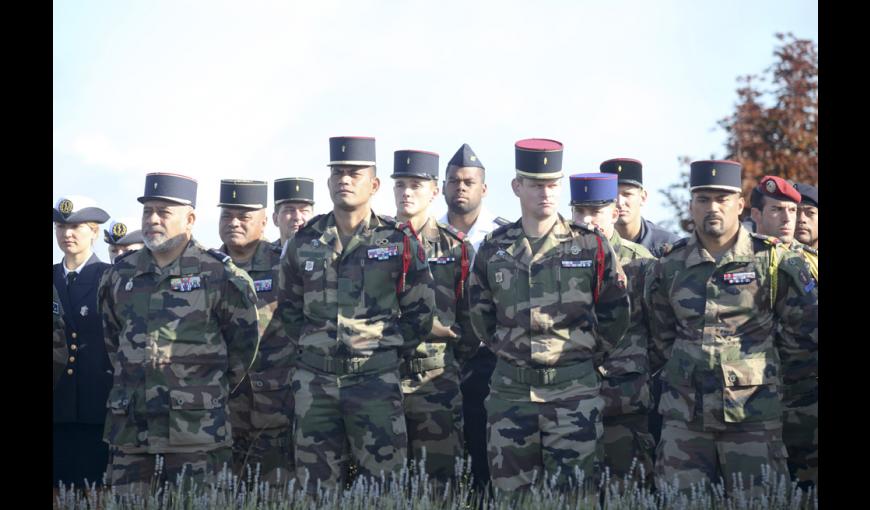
548,375
352,366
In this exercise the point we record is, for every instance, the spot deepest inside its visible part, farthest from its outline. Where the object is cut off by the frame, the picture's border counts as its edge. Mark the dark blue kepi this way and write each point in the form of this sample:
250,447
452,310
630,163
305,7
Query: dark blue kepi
352,151
243,194
593,189
176,188
715,174
411,163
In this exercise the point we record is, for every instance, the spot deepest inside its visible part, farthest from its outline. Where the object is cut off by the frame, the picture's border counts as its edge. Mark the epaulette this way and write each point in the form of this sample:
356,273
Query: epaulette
668,248
637,249
499,231
389,220
810,250
501,221
223,257
310,223
773,241
126,253
458,234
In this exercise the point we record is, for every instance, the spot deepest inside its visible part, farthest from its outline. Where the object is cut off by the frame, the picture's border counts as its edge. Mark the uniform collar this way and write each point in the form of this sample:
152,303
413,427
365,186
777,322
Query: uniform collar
742,251
259,261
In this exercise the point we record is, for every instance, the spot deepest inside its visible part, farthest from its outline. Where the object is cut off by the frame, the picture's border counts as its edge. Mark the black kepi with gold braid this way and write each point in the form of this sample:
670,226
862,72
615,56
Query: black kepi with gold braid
538,158
352,150
627,170
715,174
294,189
243,194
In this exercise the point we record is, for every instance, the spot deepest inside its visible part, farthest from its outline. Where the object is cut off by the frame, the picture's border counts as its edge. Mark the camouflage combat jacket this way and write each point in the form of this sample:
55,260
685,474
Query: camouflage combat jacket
801,369
563,306
625,388
713,327
374,295
269,378
446,251
180,339
60,349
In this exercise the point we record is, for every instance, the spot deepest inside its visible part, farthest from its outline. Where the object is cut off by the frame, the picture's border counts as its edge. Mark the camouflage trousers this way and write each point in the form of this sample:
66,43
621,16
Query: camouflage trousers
433,418
362,412
135,472
626,438
528,441
800,432
261,433
692,455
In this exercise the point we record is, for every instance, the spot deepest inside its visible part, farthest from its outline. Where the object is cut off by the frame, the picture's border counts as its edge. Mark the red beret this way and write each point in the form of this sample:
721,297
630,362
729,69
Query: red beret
778,188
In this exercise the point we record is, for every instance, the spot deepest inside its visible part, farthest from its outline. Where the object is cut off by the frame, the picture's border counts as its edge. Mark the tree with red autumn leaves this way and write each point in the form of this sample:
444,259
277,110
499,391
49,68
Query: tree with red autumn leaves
782,139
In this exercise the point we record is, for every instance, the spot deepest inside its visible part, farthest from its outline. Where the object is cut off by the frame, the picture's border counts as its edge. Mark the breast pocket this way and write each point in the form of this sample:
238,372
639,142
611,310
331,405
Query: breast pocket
313,271
186,312
380,279
576,277
444,275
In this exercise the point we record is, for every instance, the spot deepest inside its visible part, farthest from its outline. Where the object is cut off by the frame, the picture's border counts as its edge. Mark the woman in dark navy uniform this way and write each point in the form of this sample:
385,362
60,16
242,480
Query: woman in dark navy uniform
79,413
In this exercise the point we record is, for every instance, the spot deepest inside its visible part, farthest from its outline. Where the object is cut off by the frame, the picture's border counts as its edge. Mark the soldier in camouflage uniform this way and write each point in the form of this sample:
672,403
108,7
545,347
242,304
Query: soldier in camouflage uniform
625,370
355,296
60,349
430,379
261,410
294,205
716,305
547,297
775,208
180,326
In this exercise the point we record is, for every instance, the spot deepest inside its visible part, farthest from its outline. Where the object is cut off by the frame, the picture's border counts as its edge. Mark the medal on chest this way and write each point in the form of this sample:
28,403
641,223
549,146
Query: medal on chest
185,283
738,278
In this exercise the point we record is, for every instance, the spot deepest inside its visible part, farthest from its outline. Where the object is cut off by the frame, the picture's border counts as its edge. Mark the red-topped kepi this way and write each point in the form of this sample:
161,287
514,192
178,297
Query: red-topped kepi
538,158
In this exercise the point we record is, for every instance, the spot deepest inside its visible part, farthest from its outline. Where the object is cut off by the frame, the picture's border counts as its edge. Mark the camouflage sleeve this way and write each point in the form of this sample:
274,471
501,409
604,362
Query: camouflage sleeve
111,323
662,322
416,300
478,298
630,354
613,307
797,308
238,321
467,344
290,296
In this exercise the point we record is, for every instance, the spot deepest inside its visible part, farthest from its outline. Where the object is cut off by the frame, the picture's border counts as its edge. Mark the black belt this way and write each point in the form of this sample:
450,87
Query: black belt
544,376
377,362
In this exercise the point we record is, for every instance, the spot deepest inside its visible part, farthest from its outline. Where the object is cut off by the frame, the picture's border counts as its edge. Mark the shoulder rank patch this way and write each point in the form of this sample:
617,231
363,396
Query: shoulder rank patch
773,241
186,283
56,307
501,221
667,247
223,257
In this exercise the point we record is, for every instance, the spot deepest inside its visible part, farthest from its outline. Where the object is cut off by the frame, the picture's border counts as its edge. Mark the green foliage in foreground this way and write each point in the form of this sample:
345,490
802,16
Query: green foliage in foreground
413,491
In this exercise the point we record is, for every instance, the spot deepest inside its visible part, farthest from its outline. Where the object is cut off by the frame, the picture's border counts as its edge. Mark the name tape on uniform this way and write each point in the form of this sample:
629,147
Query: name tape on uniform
576,263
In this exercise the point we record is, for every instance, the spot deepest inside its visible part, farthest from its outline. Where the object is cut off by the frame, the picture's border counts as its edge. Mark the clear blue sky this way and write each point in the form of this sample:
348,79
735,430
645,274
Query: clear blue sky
218,89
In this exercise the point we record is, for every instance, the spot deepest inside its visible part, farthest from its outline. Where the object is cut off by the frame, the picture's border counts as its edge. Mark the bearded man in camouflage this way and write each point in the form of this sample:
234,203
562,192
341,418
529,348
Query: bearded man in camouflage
724,310
180,323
